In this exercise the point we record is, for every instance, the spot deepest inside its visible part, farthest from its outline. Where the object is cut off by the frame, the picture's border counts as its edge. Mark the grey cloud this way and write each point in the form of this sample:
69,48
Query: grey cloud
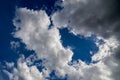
100,17
116,72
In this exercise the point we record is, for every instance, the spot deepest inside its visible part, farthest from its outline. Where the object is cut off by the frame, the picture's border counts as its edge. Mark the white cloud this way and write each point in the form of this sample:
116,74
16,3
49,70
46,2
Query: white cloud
9,64
27,73
106,49
47,45
24,72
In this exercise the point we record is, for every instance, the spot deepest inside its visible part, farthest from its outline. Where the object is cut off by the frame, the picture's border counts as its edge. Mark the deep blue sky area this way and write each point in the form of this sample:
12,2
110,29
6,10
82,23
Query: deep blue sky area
7,10
80,46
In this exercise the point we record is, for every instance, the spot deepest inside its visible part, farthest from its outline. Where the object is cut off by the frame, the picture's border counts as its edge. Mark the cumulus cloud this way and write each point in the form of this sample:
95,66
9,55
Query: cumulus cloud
46,43
32,29
24,72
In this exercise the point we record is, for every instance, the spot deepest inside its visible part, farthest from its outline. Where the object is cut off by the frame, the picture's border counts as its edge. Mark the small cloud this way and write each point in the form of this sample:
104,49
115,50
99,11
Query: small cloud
14,44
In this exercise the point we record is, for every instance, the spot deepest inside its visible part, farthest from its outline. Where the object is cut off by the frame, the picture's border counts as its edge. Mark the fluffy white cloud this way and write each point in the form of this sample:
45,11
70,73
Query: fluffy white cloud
47,45
23,72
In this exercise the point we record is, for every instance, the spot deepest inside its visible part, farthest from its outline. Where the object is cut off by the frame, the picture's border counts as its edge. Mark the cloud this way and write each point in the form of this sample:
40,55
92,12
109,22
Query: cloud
24,72
9,64
106,49
32,29
90,16
101,17
14,44
46,43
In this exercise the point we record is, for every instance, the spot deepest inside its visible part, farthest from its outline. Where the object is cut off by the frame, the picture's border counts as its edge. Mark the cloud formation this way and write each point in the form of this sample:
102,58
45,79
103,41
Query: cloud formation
101,17
90,16
32,29
46,43
24,72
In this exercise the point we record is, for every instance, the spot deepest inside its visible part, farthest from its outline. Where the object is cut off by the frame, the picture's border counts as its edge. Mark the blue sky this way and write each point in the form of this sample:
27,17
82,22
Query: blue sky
82,47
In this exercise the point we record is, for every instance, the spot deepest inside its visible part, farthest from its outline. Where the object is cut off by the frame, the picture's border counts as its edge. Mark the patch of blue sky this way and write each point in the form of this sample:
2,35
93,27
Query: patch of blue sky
49,6
7,10
80,45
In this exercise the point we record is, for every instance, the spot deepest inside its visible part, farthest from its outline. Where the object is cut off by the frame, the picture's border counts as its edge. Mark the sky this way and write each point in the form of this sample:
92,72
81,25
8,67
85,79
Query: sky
59,40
